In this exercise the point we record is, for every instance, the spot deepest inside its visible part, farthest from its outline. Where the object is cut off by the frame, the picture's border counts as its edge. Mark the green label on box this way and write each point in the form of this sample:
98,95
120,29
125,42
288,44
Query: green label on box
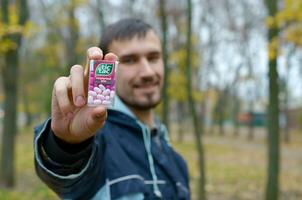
104,69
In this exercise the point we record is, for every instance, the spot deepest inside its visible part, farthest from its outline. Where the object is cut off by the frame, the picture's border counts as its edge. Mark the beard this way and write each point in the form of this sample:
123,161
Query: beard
149,103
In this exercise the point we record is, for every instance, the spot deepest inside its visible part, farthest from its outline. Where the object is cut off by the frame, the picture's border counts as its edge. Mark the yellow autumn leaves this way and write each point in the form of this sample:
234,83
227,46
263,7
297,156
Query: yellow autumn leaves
289,22
11,27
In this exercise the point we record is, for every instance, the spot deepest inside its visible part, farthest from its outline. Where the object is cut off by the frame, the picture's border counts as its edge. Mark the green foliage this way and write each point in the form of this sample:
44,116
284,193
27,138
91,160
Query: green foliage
6,45
11,28
290,17
289,21
177,84
177,78
52,58
43,67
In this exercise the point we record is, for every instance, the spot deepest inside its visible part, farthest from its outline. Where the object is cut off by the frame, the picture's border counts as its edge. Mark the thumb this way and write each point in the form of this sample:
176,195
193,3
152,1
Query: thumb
96,119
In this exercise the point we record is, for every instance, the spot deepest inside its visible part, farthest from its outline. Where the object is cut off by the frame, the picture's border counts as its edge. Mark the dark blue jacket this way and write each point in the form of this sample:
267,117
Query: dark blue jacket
124,161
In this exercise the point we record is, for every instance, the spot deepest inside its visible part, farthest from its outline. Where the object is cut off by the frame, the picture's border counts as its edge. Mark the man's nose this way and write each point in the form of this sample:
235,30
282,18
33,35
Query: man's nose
146,68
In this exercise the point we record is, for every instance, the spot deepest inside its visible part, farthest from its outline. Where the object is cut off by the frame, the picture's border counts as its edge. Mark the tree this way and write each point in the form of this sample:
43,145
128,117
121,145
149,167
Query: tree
63,45
72,38
284,90
100,14
177,82
192,107
66,27
289,21
272,185
14,15
220,109
163,17
209,48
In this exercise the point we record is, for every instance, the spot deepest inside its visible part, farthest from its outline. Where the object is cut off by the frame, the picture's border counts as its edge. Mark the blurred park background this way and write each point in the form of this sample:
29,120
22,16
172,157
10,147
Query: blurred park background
232,99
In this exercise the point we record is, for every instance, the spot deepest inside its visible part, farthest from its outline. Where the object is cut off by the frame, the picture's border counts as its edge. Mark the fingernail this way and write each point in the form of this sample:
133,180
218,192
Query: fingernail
95,53
79,101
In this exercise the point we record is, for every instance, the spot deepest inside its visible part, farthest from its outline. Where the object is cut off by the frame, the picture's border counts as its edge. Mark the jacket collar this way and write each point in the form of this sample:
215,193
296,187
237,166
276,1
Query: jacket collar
120,106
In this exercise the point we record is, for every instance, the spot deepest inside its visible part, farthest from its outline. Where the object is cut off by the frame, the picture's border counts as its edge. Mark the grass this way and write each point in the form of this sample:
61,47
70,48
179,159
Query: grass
235,168
28,185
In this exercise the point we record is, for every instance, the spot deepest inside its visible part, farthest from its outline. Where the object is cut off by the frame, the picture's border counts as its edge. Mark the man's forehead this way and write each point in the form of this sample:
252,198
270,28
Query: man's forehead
136,45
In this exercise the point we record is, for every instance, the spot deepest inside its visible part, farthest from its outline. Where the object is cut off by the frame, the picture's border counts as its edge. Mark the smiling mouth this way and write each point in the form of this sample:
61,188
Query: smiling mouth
147,88
146,85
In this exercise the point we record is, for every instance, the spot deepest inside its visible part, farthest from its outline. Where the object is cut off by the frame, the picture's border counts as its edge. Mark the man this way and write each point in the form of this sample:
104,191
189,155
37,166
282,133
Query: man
121,153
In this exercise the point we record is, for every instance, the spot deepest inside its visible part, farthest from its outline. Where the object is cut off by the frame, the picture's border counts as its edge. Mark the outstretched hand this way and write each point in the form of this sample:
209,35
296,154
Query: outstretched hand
72,120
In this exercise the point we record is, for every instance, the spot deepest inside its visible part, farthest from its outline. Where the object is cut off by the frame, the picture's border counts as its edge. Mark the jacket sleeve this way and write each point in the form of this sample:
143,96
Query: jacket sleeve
72,175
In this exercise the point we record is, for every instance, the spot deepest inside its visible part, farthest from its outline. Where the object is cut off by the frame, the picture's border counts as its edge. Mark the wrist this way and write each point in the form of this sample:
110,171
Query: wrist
70,140
71,148
66,137
57,152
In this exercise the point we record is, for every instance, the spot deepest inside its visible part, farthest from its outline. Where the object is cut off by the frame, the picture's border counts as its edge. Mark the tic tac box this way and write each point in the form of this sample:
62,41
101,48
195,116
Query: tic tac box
101,83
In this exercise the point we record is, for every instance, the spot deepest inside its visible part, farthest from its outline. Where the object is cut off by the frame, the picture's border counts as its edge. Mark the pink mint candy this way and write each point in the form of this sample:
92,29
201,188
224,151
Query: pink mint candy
106,92
92,93
97,90
97,102
102,87
112,93
100,96
102,79
90,100
105,102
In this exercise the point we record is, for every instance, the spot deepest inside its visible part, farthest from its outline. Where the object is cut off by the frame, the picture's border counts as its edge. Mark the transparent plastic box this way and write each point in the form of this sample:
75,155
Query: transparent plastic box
101,83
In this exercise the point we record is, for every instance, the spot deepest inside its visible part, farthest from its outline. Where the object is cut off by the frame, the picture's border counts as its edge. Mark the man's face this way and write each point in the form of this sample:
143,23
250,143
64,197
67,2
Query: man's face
140,71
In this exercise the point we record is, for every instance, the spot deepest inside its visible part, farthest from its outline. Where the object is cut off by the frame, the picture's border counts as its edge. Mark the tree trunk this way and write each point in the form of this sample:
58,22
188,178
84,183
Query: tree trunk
272,185
10,74
25,100
220,122
180,124
286,97
197,127
236,108
100,14
163,17
251,127
73,38
10,83
286,116
251,122
220,111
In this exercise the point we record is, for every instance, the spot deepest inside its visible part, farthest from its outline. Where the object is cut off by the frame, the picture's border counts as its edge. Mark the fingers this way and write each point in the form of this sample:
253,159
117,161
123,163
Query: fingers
77,85
111,56
85,124
70,92
61,95
97,118
93,53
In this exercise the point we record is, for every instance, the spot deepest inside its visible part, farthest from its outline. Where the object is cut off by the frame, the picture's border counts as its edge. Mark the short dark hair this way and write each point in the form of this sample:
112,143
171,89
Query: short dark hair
124,29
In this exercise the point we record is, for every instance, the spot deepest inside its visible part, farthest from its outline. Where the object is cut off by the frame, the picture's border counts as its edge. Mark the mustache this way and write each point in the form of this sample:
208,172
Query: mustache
145,82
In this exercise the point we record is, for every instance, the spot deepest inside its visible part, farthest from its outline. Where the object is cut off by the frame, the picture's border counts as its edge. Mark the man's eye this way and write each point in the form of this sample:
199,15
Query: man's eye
153,58
128,60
